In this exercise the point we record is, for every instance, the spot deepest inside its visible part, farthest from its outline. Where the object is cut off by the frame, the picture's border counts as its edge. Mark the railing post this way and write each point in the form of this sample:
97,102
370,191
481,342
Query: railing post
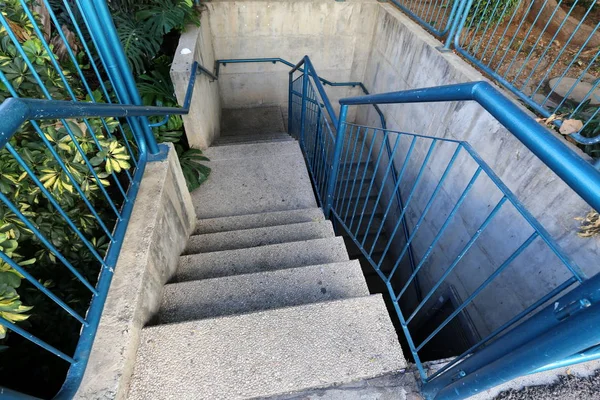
335,164
303,110
317,135
290,94
104,34
462,11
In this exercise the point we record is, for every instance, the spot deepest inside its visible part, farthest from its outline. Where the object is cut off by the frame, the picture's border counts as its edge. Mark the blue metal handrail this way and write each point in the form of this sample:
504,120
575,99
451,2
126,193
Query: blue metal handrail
477,368
581,176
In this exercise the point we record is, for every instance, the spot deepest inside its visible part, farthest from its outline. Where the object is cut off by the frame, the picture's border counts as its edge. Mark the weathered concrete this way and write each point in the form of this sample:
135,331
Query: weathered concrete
249,139
336,35
261,291
404,56
275,181
162,219
261,220
396,386
258,259
234,152
202,124
256,237
282,350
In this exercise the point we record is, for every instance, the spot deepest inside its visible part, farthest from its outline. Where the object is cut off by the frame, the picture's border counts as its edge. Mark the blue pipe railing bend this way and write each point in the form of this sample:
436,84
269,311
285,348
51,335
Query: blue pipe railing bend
580,175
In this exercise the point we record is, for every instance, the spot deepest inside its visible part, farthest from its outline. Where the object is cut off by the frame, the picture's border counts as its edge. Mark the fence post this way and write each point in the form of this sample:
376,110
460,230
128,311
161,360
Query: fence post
339,144
462,10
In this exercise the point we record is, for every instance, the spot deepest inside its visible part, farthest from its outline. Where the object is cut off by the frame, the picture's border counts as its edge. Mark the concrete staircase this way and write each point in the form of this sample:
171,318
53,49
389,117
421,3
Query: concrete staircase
266,300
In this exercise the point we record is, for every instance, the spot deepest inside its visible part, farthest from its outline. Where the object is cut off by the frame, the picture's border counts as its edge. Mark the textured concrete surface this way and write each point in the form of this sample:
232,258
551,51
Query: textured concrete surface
248,121
230,295
202,123
250,185
258,138
261,220
258,259
162,219
336,35
395,386
404,57
268,352
237,151
247,238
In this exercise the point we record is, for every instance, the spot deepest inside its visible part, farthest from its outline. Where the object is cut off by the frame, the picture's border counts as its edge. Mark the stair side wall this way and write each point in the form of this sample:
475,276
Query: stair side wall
163,218
202,124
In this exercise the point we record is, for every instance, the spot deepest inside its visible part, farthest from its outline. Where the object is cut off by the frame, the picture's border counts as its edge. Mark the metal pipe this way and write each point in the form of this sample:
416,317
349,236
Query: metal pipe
107,28
568,165
339,144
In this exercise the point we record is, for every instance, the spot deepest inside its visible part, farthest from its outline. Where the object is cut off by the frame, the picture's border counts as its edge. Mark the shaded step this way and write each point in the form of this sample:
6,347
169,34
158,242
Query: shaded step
261,291
270,178
236,151
224,224
268,352
258,259
240,121
258,237
354,251
254,138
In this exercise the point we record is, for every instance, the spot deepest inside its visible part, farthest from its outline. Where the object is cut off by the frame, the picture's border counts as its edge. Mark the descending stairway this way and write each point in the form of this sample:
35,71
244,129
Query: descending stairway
266,300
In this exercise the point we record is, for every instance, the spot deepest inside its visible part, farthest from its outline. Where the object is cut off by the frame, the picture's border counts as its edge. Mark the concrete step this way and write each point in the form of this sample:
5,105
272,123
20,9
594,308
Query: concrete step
237,151
259,259
261,220
270,177
240,121
256,237
268,352
238,294
254,138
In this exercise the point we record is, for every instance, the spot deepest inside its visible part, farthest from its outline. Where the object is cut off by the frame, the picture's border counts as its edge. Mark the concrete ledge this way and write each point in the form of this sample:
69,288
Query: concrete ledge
162,219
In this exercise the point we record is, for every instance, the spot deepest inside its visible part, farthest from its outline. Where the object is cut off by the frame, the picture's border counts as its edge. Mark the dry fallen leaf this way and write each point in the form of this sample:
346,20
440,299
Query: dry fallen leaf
590,225
570,126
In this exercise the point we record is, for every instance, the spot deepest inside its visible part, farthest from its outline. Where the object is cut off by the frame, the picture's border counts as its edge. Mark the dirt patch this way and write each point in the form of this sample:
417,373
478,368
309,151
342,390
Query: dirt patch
569,387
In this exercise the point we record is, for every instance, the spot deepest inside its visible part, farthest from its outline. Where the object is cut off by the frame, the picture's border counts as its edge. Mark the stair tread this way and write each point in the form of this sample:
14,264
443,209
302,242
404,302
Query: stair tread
260,220
253,138
263,258
268,178
261,291
246,150
268,352
256,237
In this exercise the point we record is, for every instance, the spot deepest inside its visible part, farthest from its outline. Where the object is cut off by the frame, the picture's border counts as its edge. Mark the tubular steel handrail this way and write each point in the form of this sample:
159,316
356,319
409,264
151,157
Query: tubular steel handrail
582,177
111,209
498,356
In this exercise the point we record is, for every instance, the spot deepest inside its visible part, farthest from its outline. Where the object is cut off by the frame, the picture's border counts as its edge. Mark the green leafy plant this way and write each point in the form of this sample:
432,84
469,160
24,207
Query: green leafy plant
142,25
486,11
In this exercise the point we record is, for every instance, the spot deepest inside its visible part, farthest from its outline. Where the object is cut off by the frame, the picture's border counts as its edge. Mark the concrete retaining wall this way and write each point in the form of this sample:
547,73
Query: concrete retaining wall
336,36
202,124
404,56
162,220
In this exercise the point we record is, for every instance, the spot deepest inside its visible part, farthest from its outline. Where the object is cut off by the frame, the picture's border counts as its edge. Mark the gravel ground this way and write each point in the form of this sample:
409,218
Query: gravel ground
569,387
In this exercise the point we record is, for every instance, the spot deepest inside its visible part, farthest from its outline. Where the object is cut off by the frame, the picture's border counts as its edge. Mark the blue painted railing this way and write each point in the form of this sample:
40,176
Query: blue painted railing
531,48
537,337
104,198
